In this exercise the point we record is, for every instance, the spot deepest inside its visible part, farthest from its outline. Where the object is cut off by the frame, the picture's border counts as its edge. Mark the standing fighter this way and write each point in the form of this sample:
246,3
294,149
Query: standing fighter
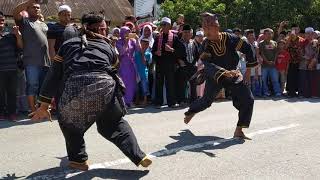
91,92
220,60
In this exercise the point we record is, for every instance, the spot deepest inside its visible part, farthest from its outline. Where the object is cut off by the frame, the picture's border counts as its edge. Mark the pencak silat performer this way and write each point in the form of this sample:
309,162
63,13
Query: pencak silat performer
220,60
91,92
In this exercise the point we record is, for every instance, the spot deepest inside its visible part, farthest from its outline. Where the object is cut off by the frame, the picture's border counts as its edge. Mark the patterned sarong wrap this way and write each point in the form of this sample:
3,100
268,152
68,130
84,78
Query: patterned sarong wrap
86,95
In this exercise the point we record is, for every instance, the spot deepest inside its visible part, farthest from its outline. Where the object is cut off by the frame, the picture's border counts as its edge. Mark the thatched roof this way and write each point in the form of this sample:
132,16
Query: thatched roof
114,10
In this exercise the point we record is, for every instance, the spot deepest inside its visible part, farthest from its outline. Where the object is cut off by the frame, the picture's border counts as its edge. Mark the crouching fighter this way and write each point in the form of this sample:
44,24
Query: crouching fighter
88,91
220,60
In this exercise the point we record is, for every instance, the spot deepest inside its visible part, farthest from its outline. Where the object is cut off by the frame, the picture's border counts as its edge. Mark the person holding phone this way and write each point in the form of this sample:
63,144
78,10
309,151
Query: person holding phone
127,45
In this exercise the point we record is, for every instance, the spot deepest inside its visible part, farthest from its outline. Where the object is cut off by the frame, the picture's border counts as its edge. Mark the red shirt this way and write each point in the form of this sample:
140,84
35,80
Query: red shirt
282,60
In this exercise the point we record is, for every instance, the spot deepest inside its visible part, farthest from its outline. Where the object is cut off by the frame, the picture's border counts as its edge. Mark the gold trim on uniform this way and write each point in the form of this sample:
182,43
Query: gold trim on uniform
46,103
243,126
45,97
218,73
220,76
116,63
58,58
252,64
239,46
219,48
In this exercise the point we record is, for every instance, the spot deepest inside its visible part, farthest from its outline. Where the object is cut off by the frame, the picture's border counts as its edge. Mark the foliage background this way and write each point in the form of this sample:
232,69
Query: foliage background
246,14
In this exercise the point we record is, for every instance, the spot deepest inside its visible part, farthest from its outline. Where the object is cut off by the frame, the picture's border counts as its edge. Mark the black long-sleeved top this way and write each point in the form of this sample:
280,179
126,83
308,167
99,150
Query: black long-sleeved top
98,56
8,52
223,53
169,57
223,56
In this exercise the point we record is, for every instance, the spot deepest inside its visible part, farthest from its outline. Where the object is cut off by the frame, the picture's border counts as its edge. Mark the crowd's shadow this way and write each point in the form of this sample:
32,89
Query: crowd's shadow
310,100
289,100
187,141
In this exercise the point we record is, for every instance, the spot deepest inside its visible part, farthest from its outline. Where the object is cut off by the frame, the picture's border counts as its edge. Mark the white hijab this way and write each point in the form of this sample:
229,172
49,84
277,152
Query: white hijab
151,40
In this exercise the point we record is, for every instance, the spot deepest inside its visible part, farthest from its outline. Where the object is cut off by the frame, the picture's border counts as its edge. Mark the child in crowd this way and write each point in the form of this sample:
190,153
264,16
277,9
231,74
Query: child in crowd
179,24
142,59
282,63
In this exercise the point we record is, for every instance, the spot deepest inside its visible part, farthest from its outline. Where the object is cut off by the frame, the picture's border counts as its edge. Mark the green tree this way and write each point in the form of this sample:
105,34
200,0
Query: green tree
247,13
191,9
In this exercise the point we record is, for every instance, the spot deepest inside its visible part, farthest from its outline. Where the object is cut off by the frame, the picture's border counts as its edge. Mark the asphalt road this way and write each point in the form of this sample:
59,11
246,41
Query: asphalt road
285,145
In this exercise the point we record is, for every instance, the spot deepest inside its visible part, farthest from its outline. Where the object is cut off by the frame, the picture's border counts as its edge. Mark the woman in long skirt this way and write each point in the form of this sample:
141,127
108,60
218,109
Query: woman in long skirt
126,47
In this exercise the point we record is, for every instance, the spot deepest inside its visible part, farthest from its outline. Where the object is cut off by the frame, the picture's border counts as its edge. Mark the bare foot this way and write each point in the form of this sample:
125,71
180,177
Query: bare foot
188,118
241,135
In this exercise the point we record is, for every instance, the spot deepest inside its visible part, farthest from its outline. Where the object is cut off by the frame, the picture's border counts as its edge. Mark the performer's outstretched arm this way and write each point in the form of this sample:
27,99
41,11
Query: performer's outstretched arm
48,90
51,83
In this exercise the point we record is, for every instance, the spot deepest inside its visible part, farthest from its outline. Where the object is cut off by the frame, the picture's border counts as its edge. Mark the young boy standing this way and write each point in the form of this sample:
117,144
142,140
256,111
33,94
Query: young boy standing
282,63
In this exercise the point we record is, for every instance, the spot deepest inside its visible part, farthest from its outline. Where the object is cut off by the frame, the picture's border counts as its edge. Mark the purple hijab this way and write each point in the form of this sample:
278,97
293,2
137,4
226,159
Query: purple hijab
121,42
123,31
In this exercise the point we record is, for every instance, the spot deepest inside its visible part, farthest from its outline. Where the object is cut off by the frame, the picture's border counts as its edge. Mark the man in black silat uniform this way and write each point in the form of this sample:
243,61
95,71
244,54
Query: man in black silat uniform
220,60
91,93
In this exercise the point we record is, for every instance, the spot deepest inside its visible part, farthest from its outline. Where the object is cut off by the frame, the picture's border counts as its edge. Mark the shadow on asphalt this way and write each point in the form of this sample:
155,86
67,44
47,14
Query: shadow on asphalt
310,100
59,173
152,109
62,171
187,141
11,177
111,174
289,100
24,122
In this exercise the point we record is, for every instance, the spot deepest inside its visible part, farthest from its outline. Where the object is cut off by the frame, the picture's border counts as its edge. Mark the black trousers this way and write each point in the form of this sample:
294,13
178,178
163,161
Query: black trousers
112,127
293,79
183,75
241,96
8,92
165,72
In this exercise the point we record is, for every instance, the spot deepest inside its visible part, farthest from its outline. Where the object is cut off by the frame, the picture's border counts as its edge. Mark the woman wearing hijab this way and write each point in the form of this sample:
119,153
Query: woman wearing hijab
147,34
116,32
126,47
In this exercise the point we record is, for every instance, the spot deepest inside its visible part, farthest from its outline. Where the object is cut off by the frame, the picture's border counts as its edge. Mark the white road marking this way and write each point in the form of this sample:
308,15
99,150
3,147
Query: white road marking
23,120
71,173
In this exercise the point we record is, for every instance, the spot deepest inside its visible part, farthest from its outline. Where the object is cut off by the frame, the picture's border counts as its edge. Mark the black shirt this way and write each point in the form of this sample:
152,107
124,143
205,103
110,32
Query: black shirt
98,56
199,49
8,52
61,33
179,51
223,53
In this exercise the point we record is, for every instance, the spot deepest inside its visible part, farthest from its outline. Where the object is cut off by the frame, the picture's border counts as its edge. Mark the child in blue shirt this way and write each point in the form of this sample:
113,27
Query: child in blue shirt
142,59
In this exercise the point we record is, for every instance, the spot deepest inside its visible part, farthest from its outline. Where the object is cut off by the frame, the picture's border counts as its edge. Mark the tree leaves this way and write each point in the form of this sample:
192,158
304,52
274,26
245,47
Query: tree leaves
247,13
